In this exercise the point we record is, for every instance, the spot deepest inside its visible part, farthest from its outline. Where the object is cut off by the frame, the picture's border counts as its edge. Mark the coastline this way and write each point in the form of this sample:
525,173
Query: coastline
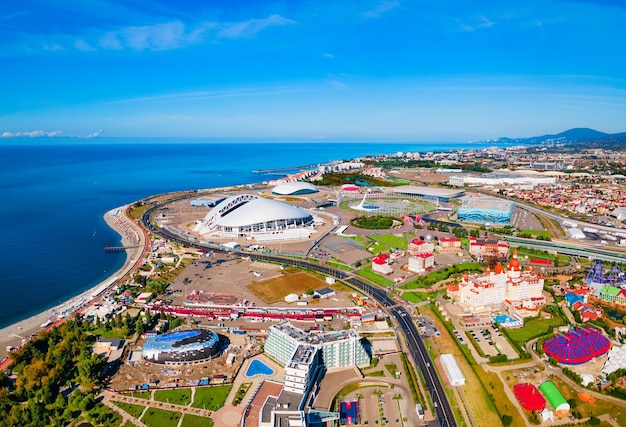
20,332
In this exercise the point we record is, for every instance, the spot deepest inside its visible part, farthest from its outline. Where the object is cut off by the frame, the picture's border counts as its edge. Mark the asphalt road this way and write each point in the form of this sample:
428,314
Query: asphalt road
407,325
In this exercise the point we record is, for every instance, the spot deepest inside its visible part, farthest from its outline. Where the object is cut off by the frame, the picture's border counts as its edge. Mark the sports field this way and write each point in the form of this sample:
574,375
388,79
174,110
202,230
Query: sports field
276,289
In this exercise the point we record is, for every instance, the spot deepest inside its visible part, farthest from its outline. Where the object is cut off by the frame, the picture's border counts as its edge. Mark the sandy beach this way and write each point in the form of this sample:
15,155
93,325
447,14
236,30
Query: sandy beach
132,235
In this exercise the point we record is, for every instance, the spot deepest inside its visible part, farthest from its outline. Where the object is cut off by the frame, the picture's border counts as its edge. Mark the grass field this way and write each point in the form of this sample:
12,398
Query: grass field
430,279
211,398
176,396
276,289
160,418
417,296
376,278
196,421
140,394
390,241
134,410
533,328
128,424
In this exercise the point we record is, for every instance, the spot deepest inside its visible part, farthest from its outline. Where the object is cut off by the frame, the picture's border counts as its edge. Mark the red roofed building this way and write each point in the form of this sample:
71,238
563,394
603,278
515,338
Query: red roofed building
421,262
417,246
449,244
488,247
380,264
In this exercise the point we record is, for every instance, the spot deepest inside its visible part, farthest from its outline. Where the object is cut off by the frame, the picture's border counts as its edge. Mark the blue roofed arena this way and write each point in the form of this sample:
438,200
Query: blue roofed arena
486,210
294,188
182,347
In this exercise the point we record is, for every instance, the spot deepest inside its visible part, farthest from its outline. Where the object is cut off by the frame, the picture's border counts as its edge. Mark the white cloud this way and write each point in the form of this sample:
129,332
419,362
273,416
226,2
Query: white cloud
94,134
252,26
176,34
31,134
479,23
83,45
200,95
329,55
381,8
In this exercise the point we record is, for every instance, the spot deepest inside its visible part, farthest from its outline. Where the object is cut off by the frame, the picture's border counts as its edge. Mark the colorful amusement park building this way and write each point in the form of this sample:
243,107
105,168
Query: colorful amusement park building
513,287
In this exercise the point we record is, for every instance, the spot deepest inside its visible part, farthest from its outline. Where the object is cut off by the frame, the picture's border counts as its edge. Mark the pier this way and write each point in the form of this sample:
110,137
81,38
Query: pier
119,248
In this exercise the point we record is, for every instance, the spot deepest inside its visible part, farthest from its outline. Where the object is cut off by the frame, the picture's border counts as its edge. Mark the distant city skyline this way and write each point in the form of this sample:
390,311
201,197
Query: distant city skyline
363,70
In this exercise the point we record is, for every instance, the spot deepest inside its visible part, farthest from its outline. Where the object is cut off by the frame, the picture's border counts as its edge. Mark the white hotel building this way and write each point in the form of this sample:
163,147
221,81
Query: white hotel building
520,290
338,348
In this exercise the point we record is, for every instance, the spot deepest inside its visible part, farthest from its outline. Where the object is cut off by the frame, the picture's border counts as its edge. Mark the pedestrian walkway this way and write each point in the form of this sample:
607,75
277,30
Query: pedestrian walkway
116,397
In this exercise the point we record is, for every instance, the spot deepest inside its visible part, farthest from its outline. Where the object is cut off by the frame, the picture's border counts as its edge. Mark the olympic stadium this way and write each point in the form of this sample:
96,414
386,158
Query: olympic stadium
182,347
295,188
486,209
250,215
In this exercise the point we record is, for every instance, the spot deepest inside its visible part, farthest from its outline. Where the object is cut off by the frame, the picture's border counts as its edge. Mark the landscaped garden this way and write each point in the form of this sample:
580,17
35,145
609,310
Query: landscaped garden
211,398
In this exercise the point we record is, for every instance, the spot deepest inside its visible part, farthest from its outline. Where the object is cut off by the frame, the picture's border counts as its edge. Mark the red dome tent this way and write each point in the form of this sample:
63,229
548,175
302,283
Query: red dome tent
529,397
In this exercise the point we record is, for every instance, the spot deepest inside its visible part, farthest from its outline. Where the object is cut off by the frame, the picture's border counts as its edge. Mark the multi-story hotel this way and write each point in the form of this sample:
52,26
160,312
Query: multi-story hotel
338,348
517,288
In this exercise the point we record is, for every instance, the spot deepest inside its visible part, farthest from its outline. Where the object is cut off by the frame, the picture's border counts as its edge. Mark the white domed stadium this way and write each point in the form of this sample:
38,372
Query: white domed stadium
182,347
252,216
294,188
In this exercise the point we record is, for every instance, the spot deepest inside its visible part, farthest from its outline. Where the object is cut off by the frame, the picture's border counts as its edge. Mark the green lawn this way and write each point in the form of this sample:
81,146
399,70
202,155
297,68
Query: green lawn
128,424
160,418
533,328
430,279
211,398
542,233
140,394
389,241
180,396
196,421
134,410
417,296
376,278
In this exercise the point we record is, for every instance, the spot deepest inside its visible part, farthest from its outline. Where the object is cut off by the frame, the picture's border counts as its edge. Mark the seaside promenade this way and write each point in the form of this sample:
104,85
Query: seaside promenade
133,237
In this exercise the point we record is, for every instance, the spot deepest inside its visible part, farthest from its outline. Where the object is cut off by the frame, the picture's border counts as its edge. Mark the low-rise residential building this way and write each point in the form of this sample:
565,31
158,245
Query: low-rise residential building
380,264
421,262
449,244
417,246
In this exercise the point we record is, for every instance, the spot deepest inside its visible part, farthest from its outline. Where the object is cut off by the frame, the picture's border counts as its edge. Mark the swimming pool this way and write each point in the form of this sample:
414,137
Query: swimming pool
258,368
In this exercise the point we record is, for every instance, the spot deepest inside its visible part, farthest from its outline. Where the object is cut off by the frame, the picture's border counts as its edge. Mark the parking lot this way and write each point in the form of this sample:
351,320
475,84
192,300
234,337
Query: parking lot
379,406
491,341
427,327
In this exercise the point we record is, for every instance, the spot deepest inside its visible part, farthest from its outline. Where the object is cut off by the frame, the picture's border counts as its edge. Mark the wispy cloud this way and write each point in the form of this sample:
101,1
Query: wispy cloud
30,134
381,8
176,34
155,37
329,55
252,26
200,95
477,23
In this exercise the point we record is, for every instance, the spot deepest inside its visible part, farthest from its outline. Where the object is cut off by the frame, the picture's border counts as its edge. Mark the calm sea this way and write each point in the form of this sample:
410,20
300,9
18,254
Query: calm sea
54,193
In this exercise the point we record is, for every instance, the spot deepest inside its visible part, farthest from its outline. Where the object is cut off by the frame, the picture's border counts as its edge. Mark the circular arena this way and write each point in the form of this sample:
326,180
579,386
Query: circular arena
182,347
294,188
248,214
577,346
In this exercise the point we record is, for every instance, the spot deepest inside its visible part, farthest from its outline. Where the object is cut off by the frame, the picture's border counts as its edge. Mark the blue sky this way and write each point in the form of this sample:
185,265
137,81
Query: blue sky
386,70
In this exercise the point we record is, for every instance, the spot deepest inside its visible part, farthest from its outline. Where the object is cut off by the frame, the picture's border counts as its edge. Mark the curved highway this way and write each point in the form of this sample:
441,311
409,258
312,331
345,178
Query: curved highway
414,342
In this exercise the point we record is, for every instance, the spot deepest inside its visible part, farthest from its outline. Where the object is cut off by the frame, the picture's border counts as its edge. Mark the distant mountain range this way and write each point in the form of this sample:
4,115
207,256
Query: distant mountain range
577,136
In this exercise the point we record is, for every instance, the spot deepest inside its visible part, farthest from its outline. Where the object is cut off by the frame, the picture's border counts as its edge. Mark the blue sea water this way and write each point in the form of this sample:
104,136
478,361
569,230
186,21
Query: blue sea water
54,193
